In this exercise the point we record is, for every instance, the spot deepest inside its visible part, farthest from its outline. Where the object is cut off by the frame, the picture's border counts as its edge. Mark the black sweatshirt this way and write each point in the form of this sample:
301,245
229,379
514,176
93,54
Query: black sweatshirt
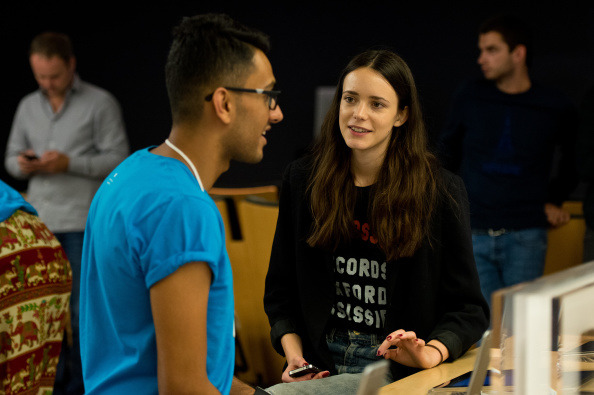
514,152
435,293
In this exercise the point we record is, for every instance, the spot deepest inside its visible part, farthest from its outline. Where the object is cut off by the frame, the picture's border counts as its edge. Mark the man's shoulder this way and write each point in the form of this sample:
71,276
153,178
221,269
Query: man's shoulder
144,167
166,176
474,83
31,98
147,180
549,95
474,88
95,92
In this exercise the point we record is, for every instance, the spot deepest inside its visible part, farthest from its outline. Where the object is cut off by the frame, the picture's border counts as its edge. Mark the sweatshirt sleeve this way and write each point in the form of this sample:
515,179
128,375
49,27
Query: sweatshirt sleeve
281,298
465,312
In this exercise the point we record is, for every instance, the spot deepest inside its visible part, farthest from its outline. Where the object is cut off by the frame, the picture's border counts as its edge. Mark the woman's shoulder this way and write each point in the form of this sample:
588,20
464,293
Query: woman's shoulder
451,187
449,179
303,163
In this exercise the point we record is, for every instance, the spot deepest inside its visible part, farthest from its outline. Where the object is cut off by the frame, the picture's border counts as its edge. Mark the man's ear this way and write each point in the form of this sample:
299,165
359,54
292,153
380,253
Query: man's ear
223,105
402,117
519,53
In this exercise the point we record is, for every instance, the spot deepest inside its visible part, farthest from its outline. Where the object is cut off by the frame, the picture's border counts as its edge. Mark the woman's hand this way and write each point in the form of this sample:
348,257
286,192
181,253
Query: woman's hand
291,343
412,351
296,363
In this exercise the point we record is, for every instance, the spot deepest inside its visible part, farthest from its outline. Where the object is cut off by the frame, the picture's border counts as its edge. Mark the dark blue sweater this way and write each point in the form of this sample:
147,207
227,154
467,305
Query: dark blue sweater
514,152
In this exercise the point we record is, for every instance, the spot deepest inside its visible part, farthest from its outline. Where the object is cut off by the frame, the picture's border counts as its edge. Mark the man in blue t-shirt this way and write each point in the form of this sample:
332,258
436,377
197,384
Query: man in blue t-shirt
502,137
156,288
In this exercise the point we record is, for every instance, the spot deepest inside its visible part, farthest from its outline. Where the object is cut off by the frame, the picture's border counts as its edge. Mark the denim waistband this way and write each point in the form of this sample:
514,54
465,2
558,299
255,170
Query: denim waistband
491,232
361,338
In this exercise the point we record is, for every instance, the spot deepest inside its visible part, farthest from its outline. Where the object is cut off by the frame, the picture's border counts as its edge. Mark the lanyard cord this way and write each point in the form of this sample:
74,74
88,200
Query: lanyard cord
180,152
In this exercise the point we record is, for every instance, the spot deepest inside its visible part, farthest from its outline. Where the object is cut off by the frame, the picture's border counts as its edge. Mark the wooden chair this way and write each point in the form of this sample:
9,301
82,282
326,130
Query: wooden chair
233,239
232,196
235,248
250,223
269,192
566,243
257,217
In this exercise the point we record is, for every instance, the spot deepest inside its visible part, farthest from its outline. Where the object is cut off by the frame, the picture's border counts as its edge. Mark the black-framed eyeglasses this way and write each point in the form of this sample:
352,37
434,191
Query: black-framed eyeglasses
272,95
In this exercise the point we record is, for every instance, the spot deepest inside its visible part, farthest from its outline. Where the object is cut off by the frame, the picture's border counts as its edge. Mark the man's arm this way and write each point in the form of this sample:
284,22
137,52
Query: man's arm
451,137
179,303
585,145
238,387
565,175
17,144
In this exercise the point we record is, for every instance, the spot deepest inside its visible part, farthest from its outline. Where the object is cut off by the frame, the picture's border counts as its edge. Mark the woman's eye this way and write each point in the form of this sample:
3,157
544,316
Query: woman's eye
377,104
349,99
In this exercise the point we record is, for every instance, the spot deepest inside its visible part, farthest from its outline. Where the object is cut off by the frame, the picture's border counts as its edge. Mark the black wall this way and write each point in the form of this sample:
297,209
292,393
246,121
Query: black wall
124,51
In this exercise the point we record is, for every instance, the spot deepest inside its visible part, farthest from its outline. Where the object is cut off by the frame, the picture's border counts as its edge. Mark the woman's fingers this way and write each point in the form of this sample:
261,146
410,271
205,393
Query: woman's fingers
309,376
394,338
321,375
295,364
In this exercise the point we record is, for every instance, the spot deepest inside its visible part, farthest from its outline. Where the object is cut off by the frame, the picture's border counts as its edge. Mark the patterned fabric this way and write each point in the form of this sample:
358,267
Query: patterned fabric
35,283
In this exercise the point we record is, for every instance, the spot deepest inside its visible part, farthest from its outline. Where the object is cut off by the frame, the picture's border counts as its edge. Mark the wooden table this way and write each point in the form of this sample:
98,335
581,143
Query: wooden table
421,382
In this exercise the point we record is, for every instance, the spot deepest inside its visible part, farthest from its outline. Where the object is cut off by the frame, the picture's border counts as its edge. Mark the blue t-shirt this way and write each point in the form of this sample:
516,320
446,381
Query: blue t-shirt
148,218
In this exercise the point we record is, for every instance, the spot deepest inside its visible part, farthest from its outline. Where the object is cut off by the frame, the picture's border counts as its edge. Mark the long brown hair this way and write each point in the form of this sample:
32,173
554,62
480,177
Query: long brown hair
405,192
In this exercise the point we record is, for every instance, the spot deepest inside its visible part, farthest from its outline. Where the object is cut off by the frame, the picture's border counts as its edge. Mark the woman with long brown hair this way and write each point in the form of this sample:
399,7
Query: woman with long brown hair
372,256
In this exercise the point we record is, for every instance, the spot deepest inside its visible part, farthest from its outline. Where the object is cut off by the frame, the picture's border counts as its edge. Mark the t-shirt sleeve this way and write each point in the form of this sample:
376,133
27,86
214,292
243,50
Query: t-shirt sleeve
185,229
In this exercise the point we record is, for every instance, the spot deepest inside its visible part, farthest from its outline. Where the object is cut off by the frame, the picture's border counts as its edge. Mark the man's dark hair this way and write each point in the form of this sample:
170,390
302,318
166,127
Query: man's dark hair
51,44
513,30
208,51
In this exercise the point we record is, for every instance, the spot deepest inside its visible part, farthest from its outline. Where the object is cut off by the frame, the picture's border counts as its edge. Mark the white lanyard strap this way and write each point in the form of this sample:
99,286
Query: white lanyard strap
180,152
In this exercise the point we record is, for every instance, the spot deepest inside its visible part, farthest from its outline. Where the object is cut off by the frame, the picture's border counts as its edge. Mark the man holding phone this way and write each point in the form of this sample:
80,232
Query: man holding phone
65,138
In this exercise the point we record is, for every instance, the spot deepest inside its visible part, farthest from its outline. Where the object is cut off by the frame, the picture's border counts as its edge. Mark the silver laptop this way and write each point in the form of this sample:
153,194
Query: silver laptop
373,378
479,372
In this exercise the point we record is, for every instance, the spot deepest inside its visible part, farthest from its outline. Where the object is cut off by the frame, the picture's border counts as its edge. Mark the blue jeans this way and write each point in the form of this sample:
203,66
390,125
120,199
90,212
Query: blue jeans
69,370
504,258
352,351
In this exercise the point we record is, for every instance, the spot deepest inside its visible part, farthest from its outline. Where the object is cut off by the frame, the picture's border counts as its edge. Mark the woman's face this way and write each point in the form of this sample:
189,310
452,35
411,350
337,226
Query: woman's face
368,111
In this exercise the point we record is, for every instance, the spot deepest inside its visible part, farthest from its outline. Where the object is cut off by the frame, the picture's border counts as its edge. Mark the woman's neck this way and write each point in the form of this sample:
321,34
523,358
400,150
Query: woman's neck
365,168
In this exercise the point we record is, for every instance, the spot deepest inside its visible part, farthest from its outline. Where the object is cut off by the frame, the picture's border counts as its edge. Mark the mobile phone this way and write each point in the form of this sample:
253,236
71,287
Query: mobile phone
304,370
30,157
